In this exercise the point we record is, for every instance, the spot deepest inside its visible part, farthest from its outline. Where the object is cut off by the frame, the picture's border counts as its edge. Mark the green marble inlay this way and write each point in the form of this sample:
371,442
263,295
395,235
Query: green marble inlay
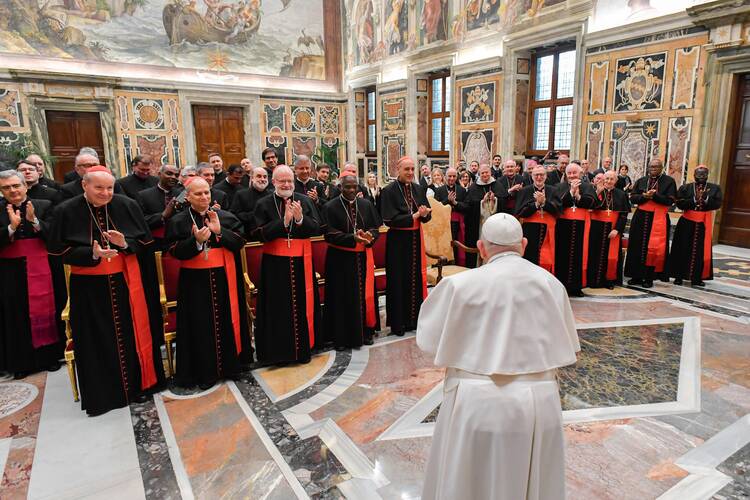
622,366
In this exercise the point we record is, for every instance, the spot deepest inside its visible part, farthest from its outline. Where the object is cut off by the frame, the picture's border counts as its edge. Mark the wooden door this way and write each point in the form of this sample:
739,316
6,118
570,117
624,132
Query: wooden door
735,219
68,132
219,129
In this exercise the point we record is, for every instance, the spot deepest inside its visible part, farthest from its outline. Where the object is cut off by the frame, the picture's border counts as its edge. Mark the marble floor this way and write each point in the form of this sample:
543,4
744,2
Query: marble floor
656,407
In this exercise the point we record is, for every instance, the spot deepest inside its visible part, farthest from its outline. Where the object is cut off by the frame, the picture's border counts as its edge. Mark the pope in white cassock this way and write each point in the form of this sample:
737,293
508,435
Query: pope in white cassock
501,331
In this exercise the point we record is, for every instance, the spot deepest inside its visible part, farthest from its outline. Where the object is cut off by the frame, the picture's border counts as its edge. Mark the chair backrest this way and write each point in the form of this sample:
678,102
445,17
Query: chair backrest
169,274
437,232
254,255
378,249
319,250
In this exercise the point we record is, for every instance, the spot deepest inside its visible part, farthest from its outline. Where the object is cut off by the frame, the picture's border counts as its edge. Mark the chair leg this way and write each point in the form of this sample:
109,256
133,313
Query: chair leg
72,375
170,362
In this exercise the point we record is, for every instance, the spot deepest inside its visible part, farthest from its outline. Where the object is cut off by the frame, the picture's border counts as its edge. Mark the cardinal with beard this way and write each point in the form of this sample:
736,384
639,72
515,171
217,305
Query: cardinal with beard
351,228
537,206
244,202
288,309
212,328
29,300
648,239
608,219
691,256
115,314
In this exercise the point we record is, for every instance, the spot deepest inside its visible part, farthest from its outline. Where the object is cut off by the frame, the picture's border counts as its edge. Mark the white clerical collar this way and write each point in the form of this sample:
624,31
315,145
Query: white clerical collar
501,255
480,183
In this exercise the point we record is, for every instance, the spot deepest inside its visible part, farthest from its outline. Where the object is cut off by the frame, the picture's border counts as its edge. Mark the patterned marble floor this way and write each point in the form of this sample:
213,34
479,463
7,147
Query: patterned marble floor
656,407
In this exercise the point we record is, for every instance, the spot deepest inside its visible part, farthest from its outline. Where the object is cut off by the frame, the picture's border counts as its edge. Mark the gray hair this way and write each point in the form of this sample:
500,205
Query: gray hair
202,166
187,171
7,174
81,155
88,151
301,159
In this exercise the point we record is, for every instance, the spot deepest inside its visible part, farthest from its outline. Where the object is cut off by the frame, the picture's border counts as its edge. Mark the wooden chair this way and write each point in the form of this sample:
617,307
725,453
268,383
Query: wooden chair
168,271
439,245
70,358
320,249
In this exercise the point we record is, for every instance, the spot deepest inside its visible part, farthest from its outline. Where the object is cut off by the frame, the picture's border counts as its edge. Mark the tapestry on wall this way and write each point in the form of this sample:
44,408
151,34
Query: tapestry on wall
477,145
639,83
478,103
278,38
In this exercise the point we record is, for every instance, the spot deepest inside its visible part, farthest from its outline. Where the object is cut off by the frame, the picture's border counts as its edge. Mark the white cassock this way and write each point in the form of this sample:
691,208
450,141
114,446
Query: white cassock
501,330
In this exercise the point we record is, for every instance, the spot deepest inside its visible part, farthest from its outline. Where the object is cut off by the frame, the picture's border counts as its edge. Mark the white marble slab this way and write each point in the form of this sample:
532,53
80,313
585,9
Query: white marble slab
4,450
78,456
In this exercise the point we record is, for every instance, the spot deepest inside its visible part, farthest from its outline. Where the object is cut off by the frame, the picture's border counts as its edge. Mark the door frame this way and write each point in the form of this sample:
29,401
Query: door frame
250,104
105,109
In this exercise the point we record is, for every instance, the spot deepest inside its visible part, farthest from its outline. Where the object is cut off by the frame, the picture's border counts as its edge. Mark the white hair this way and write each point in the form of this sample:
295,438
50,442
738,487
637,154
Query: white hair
280,169
188,170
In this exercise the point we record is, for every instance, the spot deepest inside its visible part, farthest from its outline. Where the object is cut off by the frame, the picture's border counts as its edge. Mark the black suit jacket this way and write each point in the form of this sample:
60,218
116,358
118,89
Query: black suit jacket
41,192
132,184
229,190
71,176
153,203
49,183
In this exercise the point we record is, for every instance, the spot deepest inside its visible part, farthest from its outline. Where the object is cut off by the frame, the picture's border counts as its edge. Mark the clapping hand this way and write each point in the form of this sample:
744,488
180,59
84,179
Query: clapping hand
540,198
201,235
649,194
363,237
613,234
213,223
14,216
296,208
424,211
288,212
30,215
313,194
115,238
100,252
452,197
514,188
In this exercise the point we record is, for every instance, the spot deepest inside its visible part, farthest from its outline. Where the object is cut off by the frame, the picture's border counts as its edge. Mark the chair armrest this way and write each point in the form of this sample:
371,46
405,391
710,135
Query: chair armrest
441,260
463,247
162,295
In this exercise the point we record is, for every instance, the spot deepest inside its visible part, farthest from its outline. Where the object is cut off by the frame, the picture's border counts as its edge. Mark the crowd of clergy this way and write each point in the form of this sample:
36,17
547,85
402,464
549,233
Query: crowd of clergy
107,231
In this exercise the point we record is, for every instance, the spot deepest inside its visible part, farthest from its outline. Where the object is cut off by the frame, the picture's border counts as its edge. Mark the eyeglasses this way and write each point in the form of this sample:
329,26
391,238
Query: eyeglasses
11,187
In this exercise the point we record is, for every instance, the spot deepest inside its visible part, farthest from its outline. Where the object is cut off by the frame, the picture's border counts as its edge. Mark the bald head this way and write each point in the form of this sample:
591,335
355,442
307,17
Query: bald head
196,184
198,194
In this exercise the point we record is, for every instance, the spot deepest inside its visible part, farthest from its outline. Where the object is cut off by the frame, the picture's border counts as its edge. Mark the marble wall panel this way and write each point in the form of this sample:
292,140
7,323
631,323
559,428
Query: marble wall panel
11,112
477,145
275,116
359,116
686,61
394,147
594,142
598,80
330,117
154,145
678,145
522,107
393,113
478,103
303,119
477,117
634,145
422,126
302,145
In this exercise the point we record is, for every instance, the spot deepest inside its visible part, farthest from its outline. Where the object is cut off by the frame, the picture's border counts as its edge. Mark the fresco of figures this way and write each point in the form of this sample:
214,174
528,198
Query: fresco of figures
266,37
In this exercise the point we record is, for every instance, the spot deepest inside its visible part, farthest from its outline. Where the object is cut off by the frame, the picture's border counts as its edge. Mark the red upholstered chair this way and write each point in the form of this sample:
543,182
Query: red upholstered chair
378,250
168,271
319,249
252,260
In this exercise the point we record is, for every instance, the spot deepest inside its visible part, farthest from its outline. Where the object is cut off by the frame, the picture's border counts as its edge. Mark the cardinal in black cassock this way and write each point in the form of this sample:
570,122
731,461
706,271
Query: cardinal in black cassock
288,308
691,256
404,208
537,206
244,202
485,197
571,229
212,329
114,297
608,219
30,298
648,239
350,228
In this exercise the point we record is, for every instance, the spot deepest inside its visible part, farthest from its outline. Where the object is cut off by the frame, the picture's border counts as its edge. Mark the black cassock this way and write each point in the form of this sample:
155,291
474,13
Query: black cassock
570,235
206,342
109,370
474,196
153,201
536,232
281,326
132,184
403,254
243,206
687,258
461,206
17,352
230,190
615,201
345,309
642,222
505,182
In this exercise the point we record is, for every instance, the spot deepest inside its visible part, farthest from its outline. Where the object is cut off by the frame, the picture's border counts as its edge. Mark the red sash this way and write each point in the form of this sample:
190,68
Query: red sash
657,240
707,218
417,226
547,251
369,281
158,232
39,290
614,244
460,254
298,248
131,271
581,214
222,258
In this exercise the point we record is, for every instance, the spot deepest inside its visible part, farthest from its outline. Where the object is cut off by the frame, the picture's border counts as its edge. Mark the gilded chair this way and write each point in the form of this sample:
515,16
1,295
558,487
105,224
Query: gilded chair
439,245
70,359
378,252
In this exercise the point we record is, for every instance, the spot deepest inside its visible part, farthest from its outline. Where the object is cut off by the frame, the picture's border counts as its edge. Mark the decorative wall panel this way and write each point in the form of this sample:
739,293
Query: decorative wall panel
477,123
13,121
522,110
148,123
422,126
293,127
477,145
394,113
656,91
598,87
478,103
392,129
686,62
393,149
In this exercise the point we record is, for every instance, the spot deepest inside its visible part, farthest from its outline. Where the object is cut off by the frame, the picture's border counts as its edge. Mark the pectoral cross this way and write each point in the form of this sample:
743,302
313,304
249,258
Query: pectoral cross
608,212
205,250
574,208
